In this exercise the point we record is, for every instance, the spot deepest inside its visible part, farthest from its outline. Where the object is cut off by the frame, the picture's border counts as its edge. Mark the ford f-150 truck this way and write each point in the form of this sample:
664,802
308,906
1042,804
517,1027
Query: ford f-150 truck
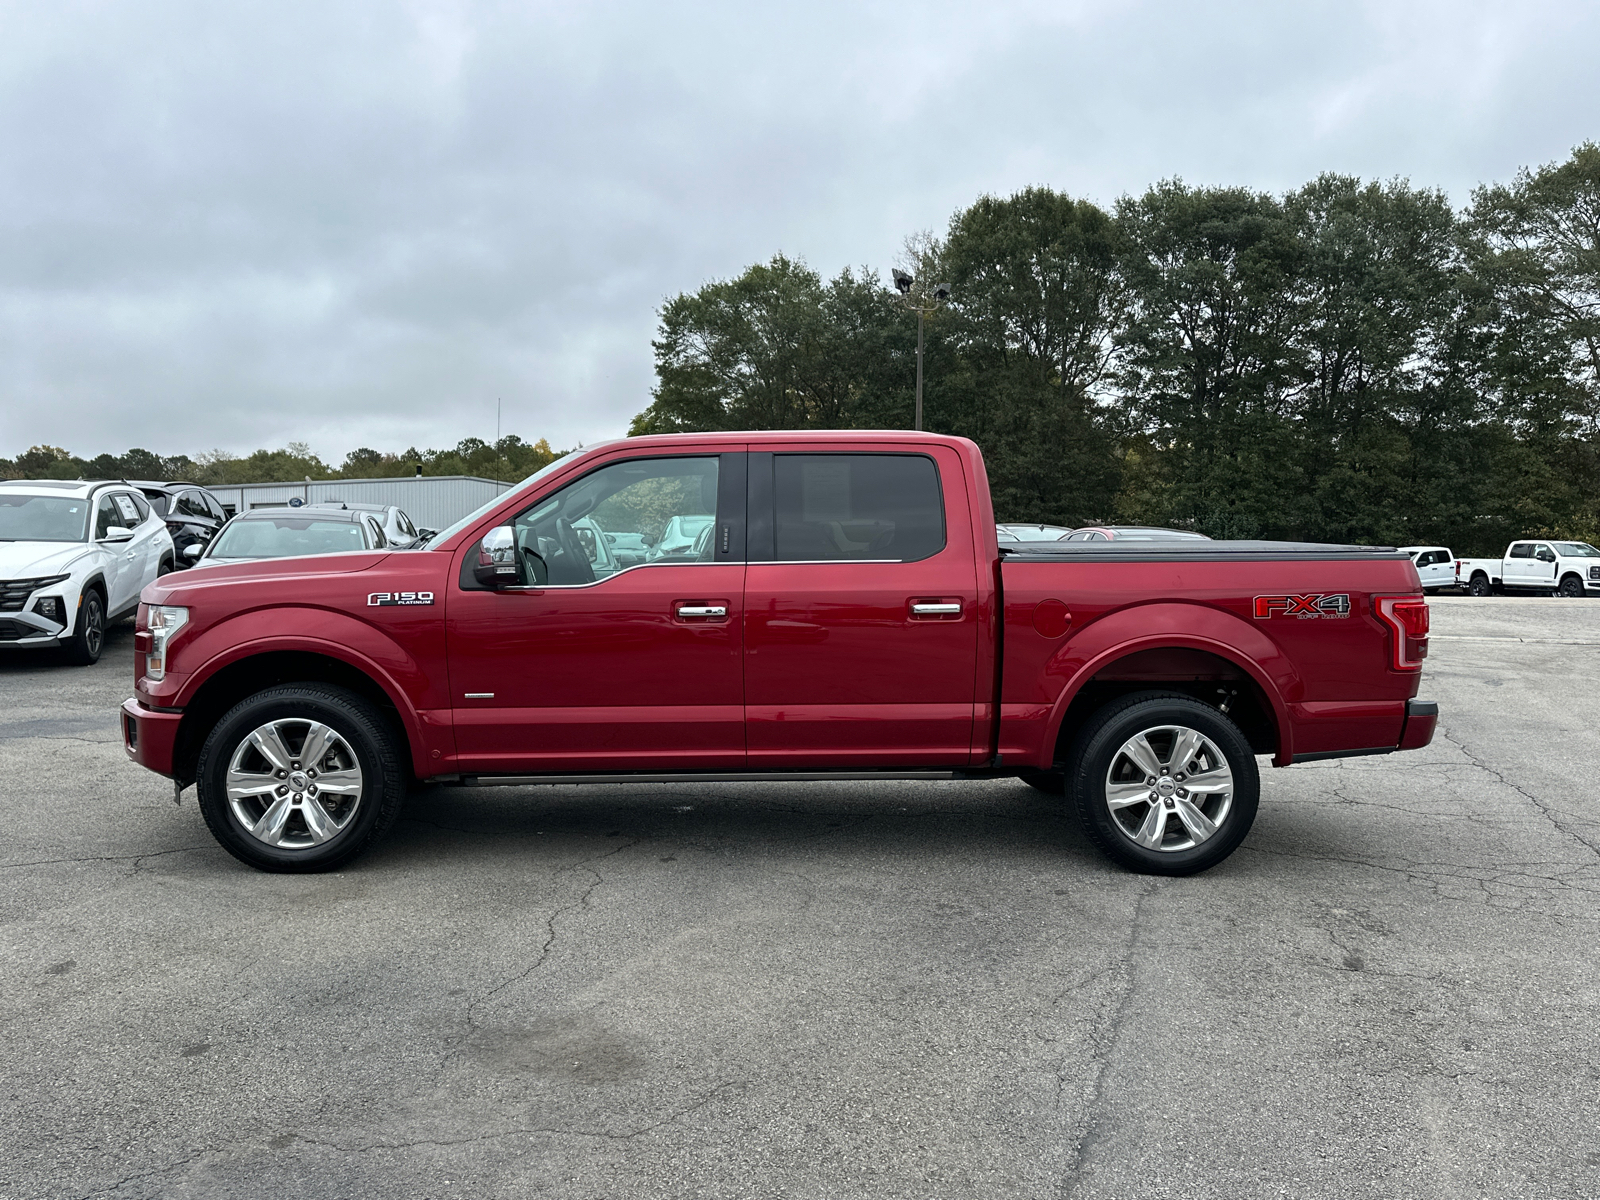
1545,566
842,611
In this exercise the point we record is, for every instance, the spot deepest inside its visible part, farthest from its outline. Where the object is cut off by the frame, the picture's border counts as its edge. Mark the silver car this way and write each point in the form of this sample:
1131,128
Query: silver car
398,531
284,532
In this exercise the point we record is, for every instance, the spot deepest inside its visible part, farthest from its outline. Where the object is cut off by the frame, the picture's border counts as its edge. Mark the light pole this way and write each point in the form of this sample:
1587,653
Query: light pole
922,304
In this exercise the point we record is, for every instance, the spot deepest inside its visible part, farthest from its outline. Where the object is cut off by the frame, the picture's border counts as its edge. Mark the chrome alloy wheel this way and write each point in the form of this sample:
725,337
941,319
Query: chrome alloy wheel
1169,788
294,783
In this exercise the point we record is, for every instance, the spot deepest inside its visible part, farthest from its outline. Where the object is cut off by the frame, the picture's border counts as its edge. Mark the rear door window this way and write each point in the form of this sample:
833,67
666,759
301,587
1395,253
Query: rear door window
861,507
127,513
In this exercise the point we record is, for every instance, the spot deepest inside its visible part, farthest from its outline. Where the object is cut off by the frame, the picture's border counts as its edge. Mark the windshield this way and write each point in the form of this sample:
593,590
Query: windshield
286,537
43,518
449,531
1576,550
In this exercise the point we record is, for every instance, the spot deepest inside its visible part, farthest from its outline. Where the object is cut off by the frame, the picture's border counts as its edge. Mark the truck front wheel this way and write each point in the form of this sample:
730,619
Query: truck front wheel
1572,587
301,777
1163,784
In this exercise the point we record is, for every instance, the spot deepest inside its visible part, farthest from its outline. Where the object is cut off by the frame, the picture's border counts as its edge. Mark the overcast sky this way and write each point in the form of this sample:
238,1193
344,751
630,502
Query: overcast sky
236,225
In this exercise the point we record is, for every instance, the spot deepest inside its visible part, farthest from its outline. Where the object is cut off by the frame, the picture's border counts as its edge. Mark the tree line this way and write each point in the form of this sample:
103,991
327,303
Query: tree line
508,458
1350,361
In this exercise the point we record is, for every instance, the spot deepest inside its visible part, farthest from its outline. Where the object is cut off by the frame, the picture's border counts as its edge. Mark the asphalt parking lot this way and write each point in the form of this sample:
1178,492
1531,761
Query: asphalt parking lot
895,990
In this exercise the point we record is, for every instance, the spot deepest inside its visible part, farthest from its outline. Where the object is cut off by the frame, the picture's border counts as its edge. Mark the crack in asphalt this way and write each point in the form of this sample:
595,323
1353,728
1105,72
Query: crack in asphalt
545,950
1435,875
1105,1046
136,859
1546,810
166,1170
700,1102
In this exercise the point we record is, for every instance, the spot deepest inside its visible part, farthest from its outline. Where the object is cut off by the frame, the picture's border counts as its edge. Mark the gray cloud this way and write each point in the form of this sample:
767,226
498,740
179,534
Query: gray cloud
361,223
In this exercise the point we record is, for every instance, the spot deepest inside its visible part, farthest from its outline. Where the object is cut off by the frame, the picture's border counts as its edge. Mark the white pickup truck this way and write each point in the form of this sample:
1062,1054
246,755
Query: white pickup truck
1547,567
1436,566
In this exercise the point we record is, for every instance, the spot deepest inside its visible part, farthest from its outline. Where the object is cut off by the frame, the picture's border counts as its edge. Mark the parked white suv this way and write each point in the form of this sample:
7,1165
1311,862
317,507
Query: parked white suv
74,558
1436,566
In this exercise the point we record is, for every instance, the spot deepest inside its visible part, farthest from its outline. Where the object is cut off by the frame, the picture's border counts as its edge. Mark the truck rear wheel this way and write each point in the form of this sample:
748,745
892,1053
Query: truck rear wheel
1163,784
301,777
1479,586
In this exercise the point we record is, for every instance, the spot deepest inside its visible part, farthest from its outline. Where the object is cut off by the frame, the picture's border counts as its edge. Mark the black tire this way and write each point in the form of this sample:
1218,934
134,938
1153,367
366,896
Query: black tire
164,567
1571,587
1479,586
366,737
89,634
1097,749
1051,783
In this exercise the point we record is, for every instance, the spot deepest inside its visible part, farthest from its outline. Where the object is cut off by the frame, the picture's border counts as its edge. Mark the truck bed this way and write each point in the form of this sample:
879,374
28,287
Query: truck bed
1217,617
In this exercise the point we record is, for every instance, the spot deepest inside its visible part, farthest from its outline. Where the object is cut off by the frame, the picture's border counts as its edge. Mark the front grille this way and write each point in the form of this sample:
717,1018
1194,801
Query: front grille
14,593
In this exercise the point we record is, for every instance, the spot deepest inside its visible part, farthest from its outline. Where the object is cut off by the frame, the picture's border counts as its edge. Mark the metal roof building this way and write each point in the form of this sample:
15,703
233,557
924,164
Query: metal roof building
431,501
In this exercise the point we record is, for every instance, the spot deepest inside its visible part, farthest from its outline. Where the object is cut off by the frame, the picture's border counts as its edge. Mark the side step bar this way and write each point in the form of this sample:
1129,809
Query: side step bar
705,777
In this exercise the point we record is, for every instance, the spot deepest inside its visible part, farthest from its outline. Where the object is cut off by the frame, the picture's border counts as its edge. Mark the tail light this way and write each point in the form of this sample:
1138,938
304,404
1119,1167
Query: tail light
1407,619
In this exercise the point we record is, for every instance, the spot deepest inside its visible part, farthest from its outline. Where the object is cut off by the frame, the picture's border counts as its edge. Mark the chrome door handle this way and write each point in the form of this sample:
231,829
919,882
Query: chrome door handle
708,610
934,610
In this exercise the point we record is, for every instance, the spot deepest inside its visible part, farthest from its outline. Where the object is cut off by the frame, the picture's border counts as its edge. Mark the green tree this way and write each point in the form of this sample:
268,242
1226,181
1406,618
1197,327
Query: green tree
1037,297
1535,244
1205,361
775,348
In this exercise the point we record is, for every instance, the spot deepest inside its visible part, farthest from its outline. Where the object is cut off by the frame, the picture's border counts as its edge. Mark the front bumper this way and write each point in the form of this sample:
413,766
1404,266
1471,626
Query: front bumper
149,737
24,630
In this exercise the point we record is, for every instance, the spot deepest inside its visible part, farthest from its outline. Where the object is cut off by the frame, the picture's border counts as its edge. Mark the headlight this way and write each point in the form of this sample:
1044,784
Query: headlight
165,620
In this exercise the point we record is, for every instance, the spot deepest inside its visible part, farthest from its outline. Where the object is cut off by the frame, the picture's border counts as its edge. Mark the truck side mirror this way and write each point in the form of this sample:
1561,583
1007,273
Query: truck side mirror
1546,556
497,558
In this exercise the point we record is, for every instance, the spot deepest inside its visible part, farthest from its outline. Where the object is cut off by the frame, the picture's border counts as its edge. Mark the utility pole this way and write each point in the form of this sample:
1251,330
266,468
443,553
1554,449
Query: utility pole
922,303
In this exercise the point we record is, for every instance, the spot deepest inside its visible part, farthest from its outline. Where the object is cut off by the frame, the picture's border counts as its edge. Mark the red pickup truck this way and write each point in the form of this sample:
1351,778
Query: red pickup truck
770,606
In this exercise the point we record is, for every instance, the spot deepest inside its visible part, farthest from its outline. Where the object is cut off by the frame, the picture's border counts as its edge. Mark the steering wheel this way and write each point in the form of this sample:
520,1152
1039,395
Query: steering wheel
573,554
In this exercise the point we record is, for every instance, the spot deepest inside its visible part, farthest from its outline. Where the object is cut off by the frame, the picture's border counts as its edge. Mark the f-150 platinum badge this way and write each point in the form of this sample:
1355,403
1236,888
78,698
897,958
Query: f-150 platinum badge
386,599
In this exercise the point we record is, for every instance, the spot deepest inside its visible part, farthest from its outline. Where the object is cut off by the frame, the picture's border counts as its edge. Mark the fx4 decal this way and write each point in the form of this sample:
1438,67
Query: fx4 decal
385,599
1308,607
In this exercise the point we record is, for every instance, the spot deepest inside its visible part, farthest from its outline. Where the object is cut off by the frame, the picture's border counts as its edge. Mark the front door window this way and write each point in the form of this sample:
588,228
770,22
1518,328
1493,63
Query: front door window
654,511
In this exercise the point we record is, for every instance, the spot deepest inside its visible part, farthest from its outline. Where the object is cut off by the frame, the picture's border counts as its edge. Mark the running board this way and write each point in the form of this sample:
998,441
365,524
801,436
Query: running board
704,777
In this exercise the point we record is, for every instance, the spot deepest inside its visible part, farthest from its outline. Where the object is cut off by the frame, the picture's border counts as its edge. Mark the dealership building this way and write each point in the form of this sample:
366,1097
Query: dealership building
431,501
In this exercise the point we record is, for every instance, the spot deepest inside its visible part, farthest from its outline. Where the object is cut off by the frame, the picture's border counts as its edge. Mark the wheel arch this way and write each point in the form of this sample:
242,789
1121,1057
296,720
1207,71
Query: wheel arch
224,682
95,581
1216,650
